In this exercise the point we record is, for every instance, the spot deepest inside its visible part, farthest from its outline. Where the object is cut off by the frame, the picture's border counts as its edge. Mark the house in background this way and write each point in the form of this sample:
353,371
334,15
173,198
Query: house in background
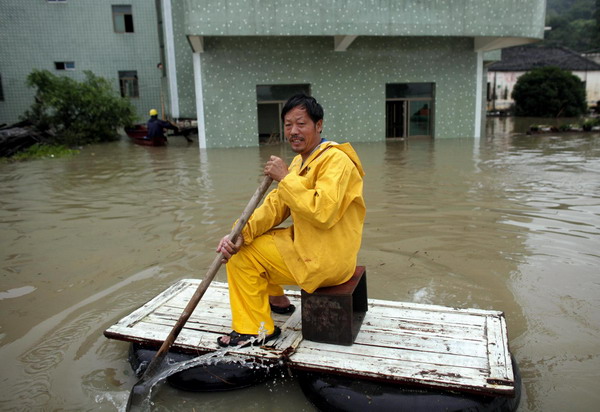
381,69
516,61
595,57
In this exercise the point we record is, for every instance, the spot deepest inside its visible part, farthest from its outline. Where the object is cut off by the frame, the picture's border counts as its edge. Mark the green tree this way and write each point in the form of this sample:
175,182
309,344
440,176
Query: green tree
574,24
77,112
597,15
549,92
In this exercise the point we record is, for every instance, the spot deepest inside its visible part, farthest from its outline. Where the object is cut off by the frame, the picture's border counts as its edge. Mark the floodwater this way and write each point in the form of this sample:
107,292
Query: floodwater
509,222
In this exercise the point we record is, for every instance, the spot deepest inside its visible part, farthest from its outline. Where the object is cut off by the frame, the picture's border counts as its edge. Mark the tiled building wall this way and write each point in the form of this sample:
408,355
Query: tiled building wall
35,33
185,68
514,18
350,85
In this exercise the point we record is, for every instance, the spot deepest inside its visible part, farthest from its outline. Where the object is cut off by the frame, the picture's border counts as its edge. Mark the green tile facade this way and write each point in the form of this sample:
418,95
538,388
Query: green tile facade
350,85
252,42
506,18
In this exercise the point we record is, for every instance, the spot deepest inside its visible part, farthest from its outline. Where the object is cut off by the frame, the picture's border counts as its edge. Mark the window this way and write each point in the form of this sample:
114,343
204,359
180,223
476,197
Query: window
409,109
128,83
64,65
1,90
56,1
122,19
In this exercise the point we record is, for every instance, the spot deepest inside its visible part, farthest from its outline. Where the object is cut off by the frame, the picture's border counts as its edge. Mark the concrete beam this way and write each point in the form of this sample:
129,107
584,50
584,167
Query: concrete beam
341,43
196,43
494,43
199,89
170,56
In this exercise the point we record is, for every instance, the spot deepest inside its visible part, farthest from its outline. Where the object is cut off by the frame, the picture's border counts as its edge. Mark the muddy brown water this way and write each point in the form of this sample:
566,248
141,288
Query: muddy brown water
510,223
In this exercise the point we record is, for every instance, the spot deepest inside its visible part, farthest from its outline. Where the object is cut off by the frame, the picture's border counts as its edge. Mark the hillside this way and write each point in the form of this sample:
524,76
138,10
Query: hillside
574,24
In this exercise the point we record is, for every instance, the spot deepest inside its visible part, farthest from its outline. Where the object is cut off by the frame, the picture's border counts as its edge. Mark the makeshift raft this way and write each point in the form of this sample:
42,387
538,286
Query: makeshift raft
403,343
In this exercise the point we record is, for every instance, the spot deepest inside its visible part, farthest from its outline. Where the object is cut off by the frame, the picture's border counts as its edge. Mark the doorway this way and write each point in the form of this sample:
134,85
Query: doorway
409,110
269,123
270,100
394,118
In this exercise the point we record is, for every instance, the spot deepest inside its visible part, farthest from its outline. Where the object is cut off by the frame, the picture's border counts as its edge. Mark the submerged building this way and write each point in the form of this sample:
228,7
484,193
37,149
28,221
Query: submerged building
380,68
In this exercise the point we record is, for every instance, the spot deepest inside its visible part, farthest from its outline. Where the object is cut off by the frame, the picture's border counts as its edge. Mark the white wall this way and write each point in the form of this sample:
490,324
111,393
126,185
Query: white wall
505,82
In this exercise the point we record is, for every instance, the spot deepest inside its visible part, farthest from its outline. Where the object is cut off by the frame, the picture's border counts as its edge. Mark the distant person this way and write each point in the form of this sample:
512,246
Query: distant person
156,126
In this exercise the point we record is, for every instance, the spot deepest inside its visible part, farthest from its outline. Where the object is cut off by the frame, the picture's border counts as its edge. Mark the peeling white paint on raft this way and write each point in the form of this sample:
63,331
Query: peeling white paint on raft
424,345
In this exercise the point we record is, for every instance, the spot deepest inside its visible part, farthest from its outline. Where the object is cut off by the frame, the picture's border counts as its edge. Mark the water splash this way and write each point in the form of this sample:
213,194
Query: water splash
219,356
262,333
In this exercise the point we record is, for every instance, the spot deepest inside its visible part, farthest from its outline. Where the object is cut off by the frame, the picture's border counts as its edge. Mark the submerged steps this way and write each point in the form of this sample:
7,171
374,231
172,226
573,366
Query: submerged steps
405,343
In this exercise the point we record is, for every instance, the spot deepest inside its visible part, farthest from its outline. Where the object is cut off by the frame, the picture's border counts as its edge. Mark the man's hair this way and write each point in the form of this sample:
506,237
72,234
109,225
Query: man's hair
314,109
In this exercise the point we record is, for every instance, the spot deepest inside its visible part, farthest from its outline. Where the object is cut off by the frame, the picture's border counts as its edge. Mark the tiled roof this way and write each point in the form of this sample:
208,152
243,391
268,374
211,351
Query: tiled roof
524,58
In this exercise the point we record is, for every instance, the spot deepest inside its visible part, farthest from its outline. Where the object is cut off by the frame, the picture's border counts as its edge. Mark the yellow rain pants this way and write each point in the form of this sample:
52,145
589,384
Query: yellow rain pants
255,273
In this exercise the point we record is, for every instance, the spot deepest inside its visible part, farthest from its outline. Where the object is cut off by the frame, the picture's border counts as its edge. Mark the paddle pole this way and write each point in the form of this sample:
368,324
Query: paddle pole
140,390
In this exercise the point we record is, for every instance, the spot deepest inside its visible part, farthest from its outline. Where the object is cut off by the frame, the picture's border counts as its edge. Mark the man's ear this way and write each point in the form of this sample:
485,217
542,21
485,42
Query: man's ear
320,126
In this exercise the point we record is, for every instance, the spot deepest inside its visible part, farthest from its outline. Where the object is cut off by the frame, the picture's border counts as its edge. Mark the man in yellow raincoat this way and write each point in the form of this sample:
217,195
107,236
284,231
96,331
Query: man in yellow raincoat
322,192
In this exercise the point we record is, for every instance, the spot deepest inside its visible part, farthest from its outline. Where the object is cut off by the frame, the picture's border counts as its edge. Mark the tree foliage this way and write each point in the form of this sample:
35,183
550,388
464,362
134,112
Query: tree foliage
77,112
574,24
549,92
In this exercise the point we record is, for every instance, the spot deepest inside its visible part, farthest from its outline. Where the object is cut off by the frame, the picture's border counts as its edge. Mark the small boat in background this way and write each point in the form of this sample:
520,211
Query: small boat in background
138,133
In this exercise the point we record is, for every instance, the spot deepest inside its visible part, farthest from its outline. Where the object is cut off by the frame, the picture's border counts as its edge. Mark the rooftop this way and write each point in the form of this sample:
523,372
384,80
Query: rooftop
524,58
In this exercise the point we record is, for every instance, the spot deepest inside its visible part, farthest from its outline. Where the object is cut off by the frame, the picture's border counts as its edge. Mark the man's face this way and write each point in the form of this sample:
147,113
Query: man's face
302,133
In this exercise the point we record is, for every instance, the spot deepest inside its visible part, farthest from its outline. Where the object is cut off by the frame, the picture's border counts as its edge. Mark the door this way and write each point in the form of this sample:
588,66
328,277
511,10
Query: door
395,119
269,124
420,118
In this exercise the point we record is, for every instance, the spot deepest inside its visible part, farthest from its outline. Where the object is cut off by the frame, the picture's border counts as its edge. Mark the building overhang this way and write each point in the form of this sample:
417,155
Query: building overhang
423,18
488,43
196,43
341,43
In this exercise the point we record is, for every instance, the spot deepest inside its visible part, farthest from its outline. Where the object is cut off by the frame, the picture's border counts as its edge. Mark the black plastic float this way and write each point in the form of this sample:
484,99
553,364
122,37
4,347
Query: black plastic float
333,393
330,393
220,376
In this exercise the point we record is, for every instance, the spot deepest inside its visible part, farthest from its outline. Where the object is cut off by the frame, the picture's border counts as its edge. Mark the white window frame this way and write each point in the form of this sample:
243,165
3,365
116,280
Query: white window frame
127,83
121,15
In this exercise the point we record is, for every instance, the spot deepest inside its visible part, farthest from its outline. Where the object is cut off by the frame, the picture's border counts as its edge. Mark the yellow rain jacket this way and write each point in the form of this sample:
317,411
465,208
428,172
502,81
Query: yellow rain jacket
324,198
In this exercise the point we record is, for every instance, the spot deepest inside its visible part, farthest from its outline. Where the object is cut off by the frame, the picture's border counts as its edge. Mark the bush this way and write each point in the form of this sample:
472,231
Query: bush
41,151
589,124
77,112
549,92
564,127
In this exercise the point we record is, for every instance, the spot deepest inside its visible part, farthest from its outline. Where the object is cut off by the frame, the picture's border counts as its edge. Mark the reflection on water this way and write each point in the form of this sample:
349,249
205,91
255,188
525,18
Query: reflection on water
520,125
511,223
15,293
